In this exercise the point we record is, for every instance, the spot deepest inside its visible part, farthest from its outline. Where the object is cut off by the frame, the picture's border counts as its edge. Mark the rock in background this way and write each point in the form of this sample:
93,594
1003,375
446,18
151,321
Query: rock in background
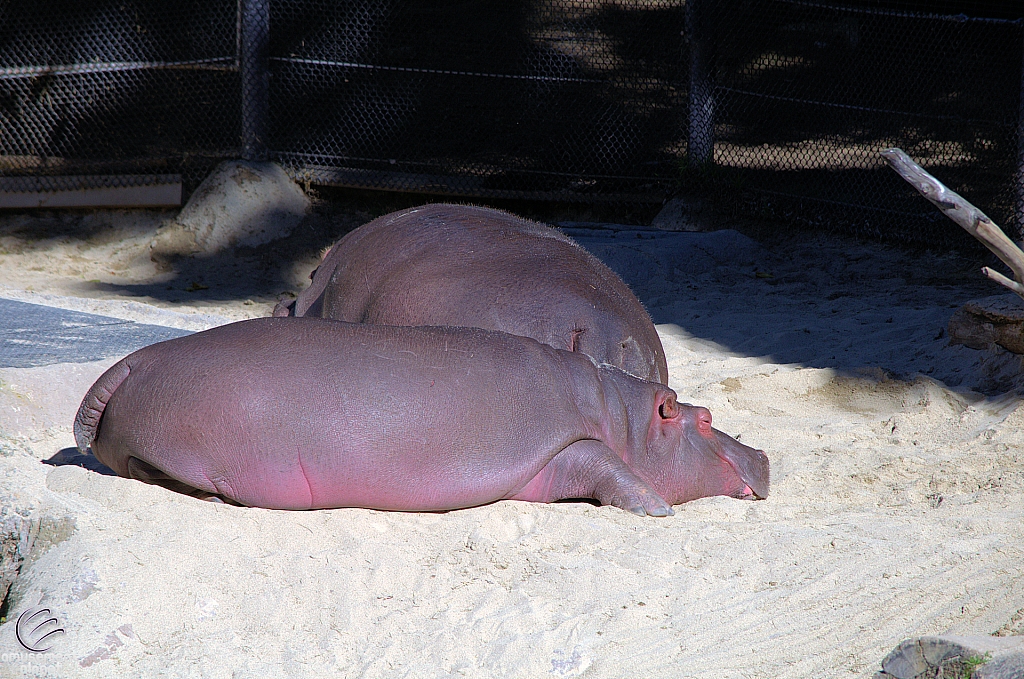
984,323
240,204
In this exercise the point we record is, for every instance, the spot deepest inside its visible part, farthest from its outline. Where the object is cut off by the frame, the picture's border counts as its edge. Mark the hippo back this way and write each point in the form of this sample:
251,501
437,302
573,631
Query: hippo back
456,265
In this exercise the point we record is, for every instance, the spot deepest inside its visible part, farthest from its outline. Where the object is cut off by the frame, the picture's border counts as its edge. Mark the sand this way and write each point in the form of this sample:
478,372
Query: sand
895,510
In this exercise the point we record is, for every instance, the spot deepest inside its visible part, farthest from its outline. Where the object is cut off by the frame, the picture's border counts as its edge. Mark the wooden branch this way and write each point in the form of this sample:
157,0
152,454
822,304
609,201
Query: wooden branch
973,220
1003,280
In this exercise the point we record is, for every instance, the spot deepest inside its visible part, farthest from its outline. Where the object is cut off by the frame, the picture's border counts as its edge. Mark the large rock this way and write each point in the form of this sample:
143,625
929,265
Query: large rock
982,323
240,203
974,657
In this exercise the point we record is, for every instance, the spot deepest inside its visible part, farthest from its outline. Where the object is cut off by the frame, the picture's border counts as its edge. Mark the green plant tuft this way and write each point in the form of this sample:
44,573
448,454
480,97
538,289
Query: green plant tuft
972,663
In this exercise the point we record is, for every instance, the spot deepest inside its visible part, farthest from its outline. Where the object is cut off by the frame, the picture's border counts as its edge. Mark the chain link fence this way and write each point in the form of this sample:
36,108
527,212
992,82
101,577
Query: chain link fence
117,88
769,107
551,100
804,94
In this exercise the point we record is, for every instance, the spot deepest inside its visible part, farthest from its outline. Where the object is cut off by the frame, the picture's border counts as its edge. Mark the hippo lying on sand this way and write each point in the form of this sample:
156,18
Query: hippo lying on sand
458,265
297,413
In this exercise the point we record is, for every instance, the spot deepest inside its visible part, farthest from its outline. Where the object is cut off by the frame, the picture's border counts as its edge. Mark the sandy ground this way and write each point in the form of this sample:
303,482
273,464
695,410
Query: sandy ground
895,511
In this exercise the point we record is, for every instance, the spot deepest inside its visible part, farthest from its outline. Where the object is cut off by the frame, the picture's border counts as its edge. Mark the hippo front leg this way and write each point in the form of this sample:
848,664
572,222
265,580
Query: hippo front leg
590,469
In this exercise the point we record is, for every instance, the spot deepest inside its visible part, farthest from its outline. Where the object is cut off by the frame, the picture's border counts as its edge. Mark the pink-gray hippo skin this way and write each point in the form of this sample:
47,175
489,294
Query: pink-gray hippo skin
458,265
303,413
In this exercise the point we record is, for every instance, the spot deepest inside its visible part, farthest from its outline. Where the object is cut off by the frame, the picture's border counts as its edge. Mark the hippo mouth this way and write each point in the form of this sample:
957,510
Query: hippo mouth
747,494
751,466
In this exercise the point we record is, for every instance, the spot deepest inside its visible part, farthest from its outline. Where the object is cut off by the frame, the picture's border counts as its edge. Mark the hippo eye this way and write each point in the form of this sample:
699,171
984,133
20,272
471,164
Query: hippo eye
669,408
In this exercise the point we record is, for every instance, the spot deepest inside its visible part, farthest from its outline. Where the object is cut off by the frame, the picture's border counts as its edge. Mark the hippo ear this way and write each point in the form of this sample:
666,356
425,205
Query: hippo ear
667,406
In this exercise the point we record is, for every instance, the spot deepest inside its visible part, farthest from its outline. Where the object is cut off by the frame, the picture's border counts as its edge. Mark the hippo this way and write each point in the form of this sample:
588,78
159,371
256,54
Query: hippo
307,413
459,265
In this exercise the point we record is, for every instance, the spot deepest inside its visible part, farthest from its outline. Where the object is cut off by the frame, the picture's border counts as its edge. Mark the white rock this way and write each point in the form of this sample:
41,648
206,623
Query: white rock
240,203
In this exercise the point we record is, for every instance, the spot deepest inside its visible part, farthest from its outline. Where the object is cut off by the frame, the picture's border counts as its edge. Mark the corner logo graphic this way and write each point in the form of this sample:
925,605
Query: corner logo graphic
38,629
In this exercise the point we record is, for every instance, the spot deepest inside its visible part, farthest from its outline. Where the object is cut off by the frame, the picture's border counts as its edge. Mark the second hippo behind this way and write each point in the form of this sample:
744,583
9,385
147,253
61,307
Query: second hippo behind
301,413
460,265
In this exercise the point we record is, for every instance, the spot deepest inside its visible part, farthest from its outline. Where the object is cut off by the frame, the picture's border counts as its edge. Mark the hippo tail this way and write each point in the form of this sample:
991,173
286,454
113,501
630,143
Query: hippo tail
87,421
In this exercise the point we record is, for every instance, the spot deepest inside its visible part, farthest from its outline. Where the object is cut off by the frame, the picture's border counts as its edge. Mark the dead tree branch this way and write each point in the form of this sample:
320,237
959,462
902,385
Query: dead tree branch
973,220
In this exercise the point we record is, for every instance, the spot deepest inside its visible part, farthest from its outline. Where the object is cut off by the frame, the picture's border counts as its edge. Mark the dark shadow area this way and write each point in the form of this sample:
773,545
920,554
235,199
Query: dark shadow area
789,294
818,301
259,274
266,272
834,200
576,500
73,457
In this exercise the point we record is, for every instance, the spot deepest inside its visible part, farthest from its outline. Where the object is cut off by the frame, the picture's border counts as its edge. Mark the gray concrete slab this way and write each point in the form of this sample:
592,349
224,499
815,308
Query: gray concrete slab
33,335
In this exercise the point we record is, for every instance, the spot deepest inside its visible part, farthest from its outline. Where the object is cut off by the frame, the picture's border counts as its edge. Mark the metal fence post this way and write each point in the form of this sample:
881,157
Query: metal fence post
702,103
1018,175
254,66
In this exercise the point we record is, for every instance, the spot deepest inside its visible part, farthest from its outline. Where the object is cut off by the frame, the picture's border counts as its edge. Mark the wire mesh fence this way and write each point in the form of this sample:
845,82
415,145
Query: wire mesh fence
806,93
771,107
573,100
117,87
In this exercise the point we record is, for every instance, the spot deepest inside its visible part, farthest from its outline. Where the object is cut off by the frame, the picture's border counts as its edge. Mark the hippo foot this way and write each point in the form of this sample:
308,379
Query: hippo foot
589,468
618,485
635,499
655,511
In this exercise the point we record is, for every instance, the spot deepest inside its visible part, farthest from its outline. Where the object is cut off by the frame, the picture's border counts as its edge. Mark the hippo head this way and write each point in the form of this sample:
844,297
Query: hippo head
686,458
